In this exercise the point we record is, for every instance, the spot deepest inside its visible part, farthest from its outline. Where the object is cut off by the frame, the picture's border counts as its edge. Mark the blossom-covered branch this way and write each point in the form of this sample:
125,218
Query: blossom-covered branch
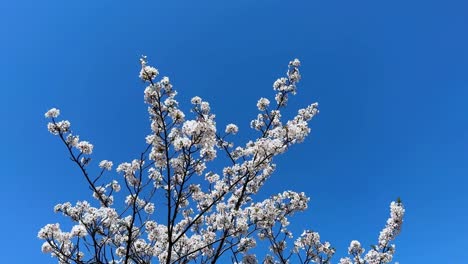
176,209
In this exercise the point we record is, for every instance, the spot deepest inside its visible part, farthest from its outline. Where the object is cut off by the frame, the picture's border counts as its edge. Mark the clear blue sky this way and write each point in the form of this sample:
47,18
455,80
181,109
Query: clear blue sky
390,76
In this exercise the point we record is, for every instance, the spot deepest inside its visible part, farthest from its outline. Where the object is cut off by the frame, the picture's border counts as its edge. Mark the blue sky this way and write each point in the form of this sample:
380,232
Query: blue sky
390,77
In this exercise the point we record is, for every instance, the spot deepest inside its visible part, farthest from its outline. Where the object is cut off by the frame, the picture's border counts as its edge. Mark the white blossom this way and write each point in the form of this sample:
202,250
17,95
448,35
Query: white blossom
295,63
52,113
148,73
149,208
60,127
72,140
196,100
105,164
115,186
85,147
46,248
79,231
232,129
262,104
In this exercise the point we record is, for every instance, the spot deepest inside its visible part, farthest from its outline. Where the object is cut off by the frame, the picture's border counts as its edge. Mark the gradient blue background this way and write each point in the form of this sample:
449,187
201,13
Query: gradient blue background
390,76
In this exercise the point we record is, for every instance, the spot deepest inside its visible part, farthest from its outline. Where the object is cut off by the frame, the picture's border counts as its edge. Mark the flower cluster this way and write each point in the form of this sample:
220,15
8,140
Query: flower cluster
315,250
147,72
52,113
384,251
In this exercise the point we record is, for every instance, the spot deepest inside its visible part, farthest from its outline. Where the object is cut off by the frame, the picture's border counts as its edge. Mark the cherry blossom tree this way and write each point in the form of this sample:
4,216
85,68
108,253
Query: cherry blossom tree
176,210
